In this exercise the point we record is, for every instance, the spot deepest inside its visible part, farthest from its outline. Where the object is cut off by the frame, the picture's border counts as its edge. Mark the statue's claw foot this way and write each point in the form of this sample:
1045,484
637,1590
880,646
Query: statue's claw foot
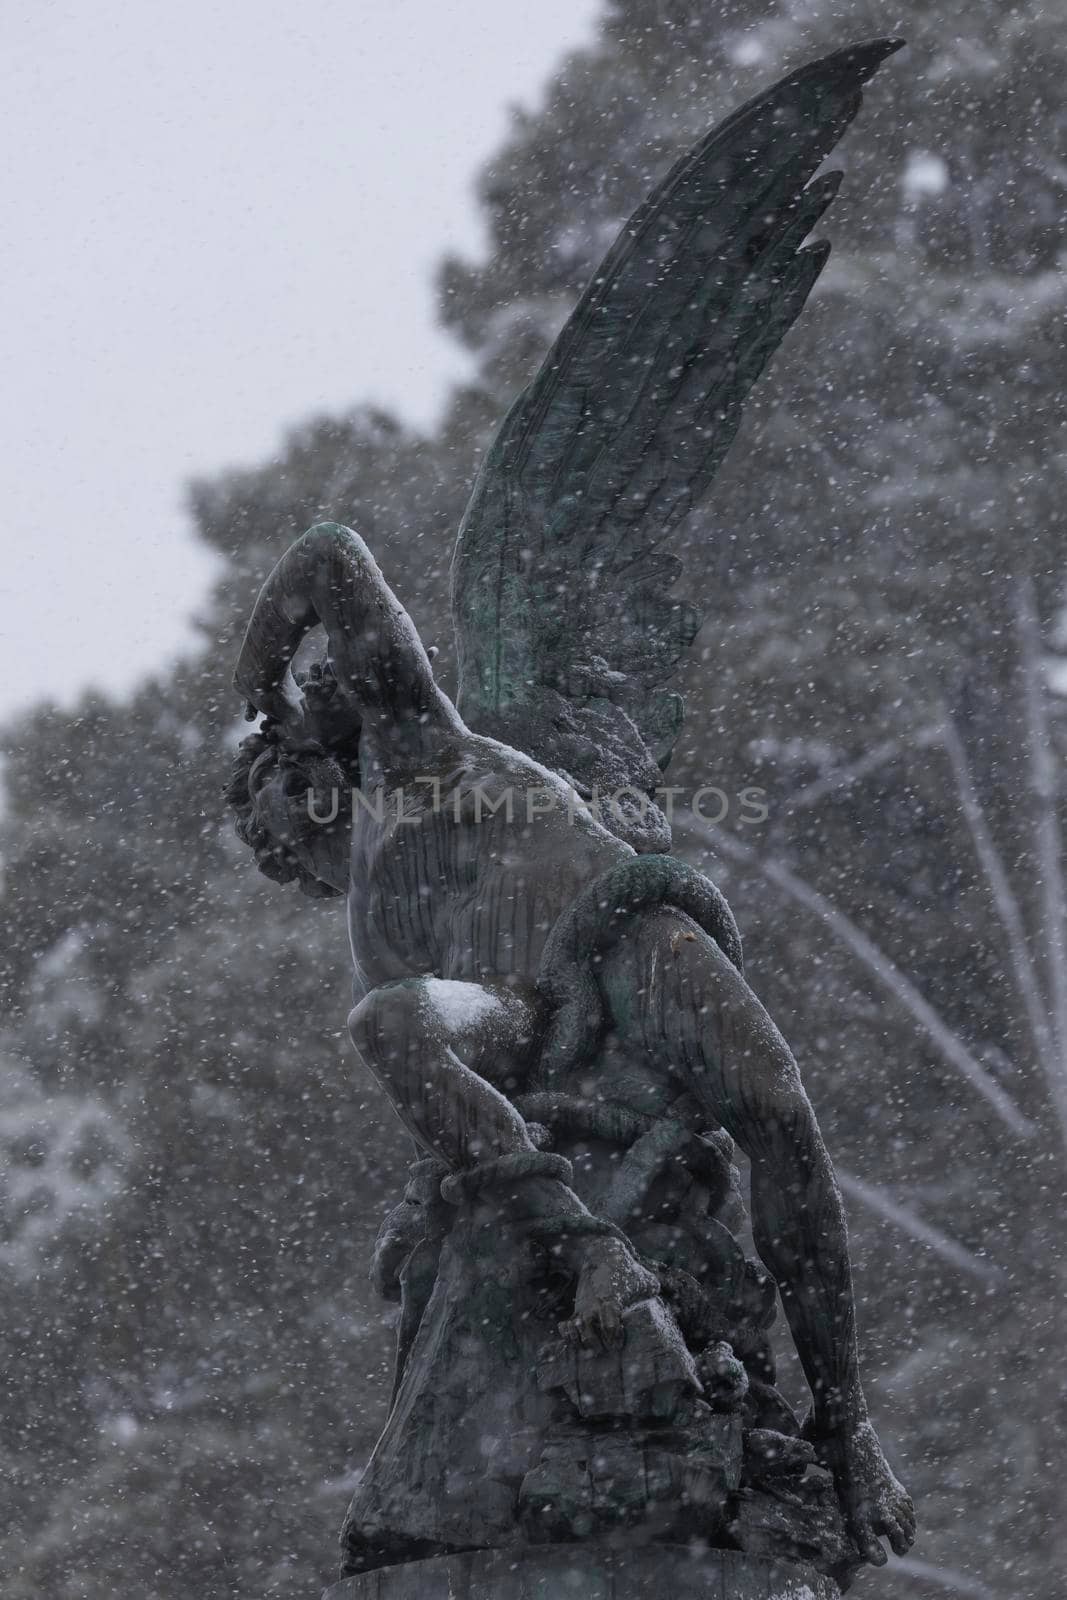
875,1503
609,1280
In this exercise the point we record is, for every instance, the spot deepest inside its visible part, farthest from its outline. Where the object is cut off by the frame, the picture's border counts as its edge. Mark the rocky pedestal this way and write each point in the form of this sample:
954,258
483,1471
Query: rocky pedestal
590,1572
509,1443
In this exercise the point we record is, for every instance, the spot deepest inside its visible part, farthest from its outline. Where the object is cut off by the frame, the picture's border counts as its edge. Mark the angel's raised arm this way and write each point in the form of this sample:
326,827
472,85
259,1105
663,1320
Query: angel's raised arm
330,577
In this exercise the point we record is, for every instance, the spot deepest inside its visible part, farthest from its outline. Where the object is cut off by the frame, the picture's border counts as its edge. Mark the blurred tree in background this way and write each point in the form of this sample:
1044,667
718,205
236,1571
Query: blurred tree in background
193,1165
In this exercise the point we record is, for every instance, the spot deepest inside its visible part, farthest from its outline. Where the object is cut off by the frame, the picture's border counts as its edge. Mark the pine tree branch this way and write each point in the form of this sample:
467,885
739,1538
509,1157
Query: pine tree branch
949,1045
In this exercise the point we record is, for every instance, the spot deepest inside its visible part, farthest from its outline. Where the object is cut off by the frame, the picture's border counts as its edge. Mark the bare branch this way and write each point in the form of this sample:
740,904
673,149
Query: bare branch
1004,899
949,1045
945,1577
843,777
903,1217
1048,837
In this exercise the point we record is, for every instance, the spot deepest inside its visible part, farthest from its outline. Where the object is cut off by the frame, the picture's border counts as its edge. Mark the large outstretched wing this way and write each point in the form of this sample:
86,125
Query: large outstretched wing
566,627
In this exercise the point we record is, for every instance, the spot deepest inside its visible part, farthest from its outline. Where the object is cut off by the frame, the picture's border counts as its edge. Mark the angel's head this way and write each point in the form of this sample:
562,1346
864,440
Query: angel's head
293,808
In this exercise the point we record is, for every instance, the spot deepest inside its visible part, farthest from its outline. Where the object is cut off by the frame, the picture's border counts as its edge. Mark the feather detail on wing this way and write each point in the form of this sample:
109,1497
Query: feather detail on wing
567,628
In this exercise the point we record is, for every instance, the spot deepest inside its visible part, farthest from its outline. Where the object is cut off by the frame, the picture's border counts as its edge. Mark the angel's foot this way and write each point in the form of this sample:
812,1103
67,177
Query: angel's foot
609,1280
874,1502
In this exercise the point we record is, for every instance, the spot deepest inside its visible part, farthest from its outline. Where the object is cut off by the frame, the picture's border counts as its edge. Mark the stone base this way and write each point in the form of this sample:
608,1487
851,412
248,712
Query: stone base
589,1572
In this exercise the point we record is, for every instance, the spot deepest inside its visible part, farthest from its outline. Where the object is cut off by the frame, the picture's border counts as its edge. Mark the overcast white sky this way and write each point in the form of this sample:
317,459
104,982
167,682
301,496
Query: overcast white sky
220,217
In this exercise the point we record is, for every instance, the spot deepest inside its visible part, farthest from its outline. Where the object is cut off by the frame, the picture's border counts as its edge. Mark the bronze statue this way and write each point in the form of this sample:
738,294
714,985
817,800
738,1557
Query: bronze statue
554,1004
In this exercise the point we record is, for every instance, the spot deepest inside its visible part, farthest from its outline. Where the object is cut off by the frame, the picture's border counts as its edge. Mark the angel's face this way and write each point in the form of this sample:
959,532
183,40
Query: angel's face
304,805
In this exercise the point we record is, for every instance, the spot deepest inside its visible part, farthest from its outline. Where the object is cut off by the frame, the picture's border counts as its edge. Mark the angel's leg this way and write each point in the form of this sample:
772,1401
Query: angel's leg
423,1039
698,1012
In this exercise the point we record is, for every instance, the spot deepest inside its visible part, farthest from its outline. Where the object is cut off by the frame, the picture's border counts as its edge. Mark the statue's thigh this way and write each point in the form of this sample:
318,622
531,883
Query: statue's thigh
674,995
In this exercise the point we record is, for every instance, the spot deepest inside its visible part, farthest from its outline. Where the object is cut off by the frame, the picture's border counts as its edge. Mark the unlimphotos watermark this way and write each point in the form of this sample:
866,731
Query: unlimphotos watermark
479,802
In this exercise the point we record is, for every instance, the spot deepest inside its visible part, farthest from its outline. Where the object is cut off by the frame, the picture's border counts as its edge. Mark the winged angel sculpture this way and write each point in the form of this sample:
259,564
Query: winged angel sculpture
553,1003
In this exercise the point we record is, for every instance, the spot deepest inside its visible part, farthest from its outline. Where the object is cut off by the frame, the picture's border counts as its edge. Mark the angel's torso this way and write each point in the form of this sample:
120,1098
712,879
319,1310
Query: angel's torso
463,873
